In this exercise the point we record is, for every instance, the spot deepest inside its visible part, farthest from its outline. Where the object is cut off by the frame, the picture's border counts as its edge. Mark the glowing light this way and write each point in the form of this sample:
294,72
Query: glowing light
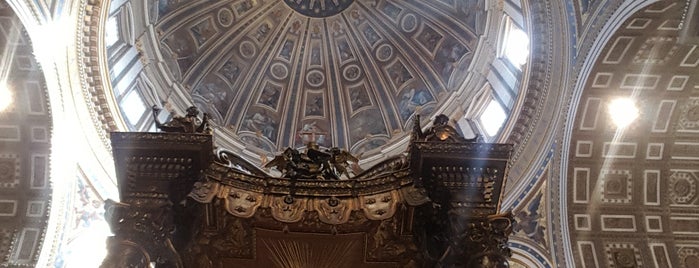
623,111
6,98
492,118
517,46
52,39
112,31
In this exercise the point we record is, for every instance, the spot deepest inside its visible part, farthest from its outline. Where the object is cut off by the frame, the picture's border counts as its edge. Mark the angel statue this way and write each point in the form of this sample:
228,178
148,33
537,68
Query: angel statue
440,131
189,123
314,164
340,160
286,163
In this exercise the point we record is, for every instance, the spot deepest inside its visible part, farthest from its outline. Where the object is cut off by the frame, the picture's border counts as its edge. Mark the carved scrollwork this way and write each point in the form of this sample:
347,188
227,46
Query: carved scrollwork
235,162
414,196
291,208
488,239
235,238
384,242
141,229
204,191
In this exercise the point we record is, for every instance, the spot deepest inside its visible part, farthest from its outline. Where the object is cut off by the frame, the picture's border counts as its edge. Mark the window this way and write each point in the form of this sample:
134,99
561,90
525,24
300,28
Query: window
515,45
112,31
492,118
133,107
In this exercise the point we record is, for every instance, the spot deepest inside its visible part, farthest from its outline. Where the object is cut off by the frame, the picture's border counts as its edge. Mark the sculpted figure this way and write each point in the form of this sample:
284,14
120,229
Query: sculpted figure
340,160
440,131
189,123
329,164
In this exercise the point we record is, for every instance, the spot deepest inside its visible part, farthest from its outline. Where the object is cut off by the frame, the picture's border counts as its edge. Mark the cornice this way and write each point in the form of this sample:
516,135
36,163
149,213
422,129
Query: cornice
92,68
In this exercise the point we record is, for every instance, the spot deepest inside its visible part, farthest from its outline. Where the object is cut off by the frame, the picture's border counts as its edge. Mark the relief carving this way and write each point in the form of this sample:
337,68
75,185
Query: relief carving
333,210
442,228
386,243
234,239
242,203
379,206
288,209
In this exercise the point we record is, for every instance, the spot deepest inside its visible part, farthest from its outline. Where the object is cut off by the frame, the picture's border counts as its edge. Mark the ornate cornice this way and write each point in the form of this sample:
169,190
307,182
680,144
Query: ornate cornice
362,185
93,69
539,80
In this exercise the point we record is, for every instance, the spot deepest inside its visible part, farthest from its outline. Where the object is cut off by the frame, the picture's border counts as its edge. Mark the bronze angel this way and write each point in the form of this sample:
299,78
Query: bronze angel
189,123
313,164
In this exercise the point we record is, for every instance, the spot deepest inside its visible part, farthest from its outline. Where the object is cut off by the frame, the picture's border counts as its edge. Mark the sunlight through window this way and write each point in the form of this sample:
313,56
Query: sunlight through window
492,118
623,111
112,31
516,47
6,97
133,107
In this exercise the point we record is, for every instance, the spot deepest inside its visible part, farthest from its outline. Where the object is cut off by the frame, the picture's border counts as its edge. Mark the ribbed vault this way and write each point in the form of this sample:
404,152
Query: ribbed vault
357,71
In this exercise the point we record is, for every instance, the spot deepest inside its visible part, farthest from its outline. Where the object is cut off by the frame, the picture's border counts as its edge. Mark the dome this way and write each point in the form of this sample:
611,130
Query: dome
353,72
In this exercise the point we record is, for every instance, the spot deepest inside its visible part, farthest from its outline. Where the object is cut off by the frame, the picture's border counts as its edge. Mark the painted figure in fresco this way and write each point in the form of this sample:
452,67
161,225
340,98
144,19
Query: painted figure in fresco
399,74
315,107
344,49
262,31
355,100
189,123
202,32
316,134
412,99
211,93
269,96
231,71
286,49
529,221
262,123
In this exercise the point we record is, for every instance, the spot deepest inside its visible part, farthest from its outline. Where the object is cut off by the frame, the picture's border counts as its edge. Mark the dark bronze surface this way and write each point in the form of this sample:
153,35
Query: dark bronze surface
183,207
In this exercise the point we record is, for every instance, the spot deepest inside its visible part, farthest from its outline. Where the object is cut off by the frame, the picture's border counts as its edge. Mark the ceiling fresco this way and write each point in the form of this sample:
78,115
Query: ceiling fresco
354,71
633,192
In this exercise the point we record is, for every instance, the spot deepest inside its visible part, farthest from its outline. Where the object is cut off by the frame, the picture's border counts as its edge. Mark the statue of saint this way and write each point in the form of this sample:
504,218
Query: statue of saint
189,123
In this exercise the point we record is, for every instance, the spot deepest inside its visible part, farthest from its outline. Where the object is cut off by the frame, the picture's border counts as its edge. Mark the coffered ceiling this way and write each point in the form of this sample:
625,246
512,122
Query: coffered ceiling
632,192
25,129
